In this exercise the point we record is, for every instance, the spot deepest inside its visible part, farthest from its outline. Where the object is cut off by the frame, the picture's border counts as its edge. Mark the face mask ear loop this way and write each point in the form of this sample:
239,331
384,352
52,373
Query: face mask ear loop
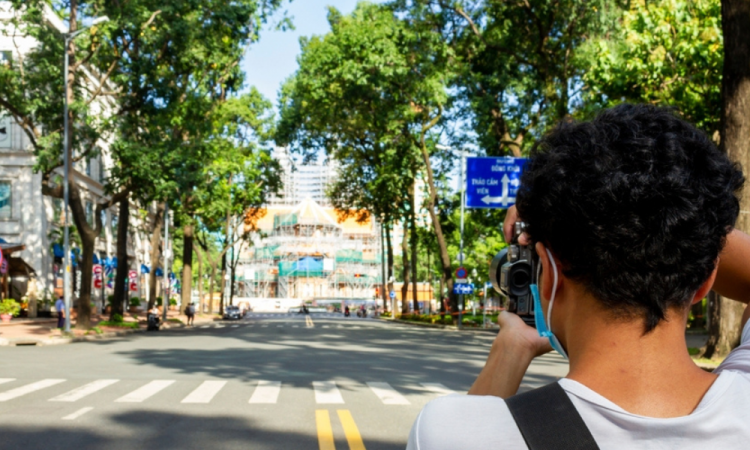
554,290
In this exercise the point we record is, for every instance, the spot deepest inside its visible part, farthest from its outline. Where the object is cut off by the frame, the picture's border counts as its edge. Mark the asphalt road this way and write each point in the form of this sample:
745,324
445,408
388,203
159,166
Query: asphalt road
269,381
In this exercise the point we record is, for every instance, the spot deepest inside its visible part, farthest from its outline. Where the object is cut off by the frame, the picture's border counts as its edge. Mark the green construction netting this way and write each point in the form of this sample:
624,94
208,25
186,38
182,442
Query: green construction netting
287,219
265,252
348,256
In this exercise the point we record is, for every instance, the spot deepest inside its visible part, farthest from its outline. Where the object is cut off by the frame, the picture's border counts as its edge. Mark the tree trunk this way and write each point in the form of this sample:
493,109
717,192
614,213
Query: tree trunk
725,314
187,264
121,276
389,273
156,227
414,244
86,263
445,261
405,267
201,300
383,269
211,288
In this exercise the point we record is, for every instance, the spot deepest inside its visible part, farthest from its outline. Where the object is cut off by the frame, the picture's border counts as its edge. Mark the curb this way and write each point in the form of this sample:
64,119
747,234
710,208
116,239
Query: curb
439,326
42,342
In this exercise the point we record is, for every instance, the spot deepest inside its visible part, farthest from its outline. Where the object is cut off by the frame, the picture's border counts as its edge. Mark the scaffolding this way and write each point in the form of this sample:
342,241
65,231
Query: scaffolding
309,255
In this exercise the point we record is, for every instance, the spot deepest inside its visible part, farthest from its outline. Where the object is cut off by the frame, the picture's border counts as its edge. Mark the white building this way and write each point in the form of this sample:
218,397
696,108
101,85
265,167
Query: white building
27,216
302,181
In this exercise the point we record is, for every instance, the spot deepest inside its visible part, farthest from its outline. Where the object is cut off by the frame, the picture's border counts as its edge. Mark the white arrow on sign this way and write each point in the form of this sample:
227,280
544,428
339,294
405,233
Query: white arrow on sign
503,199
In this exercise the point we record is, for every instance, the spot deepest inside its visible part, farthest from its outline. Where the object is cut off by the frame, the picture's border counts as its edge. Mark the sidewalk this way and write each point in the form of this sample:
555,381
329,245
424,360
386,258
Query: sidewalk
44,331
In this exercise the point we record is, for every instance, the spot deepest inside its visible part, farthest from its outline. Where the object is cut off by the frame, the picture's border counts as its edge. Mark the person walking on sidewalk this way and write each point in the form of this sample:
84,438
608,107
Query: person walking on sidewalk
60,308
190,313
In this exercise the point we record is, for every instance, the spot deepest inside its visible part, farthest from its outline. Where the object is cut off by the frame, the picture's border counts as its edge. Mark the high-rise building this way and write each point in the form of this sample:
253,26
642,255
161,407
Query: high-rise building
302,181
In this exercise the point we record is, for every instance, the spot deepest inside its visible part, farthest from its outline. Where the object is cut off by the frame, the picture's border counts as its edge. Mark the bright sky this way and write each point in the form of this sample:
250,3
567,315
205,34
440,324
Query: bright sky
270,61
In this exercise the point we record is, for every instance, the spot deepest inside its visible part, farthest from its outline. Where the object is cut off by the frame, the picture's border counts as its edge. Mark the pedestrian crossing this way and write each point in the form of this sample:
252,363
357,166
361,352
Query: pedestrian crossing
267,392
259,324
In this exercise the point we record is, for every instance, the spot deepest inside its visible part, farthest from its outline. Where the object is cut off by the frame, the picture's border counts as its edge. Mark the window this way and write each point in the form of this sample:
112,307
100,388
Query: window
57,210
87,165
113,224
6,58
6,200
103,216
90,213
6,129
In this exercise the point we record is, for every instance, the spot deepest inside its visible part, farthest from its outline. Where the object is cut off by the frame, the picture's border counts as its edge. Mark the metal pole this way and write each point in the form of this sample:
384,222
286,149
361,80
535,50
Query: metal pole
484,310
66,194
382,265
165,301
461,251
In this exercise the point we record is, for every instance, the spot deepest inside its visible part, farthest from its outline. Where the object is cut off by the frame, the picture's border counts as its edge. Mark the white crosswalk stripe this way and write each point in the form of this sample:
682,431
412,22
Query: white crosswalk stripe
83,391
6,380
266,392
29,388
205,392
437,388
326,393
387,394
78,413
145,392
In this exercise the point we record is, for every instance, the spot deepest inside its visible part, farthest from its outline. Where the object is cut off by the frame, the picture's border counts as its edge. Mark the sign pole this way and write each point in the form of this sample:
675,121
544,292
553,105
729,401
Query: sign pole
461,251
484,310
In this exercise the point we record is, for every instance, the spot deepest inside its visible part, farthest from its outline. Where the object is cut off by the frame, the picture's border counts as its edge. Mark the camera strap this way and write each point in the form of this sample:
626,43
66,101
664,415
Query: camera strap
548,420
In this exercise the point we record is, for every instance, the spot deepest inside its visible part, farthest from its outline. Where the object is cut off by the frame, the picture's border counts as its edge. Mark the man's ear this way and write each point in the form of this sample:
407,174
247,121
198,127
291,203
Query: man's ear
706,286
548,275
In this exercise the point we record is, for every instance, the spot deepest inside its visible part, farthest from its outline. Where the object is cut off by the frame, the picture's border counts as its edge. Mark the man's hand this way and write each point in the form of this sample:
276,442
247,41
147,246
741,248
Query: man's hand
511,217
514,348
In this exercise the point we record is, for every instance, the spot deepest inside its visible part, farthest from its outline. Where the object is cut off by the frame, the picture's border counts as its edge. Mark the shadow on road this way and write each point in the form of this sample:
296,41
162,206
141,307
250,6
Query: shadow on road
148,430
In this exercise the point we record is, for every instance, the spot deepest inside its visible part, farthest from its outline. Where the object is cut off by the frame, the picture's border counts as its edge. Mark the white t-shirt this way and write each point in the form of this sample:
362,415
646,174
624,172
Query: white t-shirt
721,420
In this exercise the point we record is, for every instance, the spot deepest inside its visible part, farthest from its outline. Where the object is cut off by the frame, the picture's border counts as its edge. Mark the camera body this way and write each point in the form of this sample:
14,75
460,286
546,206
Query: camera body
513,271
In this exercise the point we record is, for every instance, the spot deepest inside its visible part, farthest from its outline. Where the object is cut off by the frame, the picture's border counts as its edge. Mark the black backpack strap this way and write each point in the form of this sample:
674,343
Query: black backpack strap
549,421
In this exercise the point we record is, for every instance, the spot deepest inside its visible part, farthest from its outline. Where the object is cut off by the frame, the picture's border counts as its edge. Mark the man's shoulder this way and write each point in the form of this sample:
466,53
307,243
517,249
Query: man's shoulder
465,422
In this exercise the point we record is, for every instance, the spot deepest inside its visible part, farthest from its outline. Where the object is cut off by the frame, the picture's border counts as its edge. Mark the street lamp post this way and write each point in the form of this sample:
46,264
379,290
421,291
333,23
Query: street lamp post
66,183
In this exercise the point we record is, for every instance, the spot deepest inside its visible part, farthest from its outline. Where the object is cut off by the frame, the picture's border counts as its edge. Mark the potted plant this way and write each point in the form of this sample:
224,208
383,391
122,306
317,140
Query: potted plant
8,309
135,302
172,304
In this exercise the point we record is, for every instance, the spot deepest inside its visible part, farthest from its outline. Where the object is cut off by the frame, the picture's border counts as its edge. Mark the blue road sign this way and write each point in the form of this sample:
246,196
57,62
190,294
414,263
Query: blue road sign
463,288
493,182
393,294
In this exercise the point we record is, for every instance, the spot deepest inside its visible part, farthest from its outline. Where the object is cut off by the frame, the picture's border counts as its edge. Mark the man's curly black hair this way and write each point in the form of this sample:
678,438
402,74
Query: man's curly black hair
636,204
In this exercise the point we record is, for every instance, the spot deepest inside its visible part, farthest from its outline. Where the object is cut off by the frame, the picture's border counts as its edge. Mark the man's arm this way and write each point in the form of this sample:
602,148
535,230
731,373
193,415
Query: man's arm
515,346
733,277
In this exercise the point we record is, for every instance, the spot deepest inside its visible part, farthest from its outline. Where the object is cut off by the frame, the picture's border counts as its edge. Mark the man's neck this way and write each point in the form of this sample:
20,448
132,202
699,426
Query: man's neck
650,375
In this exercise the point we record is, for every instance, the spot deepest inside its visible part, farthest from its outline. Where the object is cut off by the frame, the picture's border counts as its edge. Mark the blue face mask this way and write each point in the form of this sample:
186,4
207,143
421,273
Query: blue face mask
545,328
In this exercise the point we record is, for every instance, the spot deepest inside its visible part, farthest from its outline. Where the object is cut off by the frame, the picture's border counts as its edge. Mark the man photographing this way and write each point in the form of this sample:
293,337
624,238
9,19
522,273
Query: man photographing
631,216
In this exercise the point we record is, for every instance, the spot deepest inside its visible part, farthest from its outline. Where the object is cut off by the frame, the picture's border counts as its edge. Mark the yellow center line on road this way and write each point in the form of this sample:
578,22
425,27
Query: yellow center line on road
350,430
325,432
308,321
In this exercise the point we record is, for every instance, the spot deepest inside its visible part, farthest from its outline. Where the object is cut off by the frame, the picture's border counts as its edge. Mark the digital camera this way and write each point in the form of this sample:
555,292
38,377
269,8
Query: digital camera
513,271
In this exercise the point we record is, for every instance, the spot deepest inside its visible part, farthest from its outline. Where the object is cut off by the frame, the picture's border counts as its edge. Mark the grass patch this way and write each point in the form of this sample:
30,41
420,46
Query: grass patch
693,351
107,323
174,320
94,330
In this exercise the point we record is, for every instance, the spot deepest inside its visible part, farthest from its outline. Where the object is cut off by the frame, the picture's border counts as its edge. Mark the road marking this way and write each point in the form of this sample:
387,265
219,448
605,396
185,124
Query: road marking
327,393
438,388
387,394
350,430
86,389
78,413
325,432
204,326
145,392
205,392
6,380
235,326
29,388
266,392
308,321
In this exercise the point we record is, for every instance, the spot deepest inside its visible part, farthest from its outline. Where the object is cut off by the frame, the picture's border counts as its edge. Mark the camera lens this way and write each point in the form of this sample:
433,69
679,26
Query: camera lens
520,278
